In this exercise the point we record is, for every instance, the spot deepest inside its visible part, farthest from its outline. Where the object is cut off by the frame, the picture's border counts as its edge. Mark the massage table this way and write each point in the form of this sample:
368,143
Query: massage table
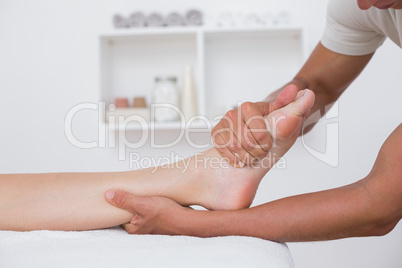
115,248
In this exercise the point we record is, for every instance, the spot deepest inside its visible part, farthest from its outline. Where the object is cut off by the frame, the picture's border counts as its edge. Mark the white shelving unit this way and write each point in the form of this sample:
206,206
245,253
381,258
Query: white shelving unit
230,64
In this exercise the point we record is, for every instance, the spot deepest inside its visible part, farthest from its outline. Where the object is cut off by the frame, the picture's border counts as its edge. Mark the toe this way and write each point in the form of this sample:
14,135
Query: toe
304,101
284,122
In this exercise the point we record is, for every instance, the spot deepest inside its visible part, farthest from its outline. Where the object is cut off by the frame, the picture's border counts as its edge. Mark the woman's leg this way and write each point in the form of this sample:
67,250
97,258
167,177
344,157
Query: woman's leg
75,201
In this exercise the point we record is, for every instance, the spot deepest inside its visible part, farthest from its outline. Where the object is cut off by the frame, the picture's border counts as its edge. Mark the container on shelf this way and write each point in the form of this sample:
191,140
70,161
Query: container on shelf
189,95
166,99
140,102
121,102
139,112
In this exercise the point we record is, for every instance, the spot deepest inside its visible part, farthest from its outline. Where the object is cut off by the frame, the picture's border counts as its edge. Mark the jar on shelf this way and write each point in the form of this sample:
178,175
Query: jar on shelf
166,98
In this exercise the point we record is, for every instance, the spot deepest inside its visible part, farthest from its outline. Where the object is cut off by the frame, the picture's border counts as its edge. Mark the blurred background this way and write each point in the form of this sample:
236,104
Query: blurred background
51,60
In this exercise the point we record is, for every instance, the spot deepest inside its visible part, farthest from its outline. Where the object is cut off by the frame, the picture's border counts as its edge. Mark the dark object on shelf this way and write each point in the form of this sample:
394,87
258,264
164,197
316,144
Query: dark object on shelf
194,17
155,20
121,103
140,102
120,22
137,19
174,19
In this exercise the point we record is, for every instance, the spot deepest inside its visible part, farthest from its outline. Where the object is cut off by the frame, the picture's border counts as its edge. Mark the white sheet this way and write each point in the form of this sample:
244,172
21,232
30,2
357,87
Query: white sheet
115,248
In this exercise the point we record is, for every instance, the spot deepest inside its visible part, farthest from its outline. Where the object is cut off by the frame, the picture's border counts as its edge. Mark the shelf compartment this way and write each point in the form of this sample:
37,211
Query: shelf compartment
247,65
130,63
230,64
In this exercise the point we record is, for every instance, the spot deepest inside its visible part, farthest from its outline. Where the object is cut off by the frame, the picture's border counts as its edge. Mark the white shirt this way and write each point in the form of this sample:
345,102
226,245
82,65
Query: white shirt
352,31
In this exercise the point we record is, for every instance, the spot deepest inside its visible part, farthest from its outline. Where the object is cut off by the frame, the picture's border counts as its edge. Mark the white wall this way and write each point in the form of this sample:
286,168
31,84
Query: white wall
48,63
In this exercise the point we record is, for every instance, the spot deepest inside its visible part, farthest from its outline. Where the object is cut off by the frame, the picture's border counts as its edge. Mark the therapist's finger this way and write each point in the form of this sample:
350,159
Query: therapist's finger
126,201
130,228
287,95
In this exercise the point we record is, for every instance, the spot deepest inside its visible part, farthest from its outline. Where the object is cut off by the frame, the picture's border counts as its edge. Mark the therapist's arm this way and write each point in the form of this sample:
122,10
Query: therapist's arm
326,73
369,207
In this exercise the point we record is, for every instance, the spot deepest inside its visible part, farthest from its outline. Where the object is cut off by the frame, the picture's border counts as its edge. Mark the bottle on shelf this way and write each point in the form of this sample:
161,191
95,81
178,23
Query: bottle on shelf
189,95
166,96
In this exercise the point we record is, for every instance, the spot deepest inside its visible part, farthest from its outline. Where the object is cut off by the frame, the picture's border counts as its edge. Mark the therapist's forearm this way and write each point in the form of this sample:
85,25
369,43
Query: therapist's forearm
333,214
327,74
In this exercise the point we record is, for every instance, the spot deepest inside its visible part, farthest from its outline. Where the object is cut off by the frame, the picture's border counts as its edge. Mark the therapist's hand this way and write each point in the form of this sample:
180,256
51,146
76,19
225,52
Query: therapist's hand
151,215
242,137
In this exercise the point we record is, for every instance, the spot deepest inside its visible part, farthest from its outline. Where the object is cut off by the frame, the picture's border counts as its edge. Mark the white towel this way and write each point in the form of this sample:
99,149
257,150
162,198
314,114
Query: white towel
120,22
155,20
137,19
115,248
174,19
194,17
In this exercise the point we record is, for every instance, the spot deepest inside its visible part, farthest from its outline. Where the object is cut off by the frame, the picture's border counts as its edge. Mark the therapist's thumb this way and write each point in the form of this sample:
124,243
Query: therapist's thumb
122,200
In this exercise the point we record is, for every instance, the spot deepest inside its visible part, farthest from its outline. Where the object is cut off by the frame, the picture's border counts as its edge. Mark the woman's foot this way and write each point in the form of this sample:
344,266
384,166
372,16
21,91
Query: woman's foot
228,188
206,179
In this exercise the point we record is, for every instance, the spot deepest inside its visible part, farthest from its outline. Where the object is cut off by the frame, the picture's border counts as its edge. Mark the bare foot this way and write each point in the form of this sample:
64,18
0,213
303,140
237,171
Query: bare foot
229,188
206,179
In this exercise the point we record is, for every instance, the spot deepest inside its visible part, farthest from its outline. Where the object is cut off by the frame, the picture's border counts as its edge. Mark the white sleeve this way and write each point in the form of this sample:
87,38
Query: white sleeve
346,31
